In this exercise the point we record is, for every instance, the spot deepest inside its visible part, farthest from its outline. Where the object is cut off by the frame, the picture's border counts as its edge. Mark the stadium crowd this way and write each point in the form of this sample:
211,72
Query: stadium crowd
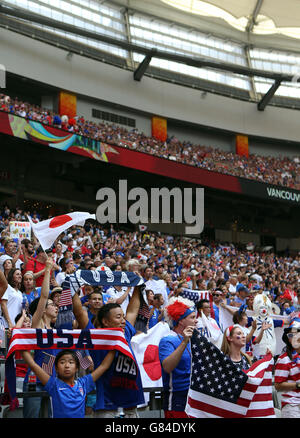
281,171
168,264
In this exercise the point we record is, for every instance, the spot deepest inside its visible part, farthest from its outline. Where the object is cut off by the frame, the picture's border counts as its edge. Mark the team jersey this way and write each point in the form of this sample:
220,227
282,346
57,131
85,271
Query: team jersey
176,383
287,370
121,384
154,318
69,401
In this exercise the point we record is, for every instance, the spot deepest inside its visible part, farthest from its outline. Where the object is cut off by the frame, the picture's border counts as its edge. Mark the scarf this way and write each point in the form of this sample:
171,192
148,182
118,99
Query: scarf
104,278
39,339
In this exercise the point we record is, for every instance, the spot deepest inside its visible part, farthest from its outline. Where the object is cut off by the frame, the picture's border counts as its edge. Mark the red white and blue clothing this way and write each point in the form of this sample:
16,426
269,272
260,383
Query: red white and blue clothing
176,384
121,384
69,401
288,370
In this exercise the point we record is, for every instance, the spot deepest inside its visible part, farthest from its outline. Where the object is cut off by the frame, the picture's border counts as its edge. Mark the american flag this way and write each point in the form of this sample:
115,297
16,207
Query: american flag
65,298
48,363
195,295
262,404
218,389
83,359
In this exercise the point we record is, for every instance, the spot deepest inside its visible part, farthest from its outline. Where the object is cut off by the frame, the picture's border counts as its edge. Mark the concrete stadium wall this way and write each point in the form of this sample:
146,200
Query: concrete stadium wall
33,59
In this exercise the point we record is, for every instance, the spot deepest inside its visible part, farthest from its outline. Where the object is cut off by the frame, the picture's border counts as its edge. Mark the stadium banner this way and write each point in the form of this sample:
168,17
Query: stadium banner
43,134
67,104
241,145
159,128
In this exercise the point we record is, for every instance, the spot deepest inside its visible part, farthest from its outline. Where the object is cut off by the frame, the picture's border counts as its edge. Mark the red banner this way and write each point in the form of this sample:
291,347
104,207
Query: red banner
241,145
159,128
67,104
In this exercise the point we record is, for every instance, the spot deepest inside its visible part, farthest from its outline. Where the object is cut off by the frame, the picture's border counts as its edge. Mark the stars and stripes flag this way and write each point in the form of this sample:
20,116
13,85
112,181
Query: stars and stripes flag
197,295
48,362
85,362
65,298
219,390
262,404
40,339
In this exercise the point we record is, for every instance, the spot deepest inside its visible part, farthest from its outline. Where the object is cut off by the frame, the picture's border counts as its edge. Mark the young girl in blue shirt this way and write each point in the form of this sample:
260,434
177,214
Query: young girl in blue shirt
68,393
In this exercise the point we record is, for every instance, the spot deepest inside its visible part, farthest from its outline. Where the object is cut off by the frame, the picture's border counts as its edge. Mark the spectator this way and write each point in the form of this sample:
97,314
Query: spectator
94,303
27,253
44,313
68,394
217,299
144,312
38,266
120,295
10,252
156,311
234,340
13,299
175,355
110,391
241,296
28,287
207,325
7,266
287,372
67,266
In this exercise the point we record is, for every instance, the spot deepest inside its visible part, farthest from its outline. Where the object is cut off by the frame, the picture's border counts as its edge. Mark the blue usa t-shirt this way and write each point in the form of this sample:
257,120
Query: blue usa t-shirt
69,401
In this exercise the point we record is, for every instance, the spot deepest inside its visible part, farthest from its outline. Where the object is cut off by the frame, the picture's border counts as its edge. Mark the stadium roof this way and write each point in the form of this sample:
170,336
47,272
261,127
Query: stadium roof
244,49
263,17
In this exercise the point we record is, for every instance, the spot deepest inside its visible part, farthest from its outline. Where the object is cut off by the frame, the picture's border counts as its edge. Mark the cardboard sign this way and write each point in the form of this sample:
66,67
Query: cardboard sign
20,230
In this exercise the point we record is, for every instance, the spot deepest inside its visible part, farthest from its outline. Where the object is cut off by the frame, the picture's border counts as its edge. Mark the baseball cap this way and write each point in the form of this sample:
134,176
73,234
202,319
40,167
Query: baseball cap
242,288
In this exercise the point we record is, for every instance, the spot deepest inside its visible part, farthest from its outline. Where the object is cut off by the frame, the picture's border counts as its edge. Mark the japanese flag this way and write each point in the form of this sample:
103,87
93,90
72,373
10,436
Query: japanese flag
142,228
145,348
47,231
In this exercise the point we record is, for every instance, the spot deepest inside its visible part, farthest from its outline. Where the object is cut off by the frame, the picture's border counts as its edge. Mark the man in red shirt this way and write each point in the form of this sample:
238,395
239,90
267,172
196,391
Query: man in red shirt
38,265
27,252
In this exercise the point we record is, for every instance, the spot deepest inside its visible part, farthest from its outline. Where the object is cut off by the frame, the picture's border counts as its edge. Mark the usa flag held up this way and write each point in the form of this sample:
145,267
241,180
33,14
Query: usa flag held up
219,390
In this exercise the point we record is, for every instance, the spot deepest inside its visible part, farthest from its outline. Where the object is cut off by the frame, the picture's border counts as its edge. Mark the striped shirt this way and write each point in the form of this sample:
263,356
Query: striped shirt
286,370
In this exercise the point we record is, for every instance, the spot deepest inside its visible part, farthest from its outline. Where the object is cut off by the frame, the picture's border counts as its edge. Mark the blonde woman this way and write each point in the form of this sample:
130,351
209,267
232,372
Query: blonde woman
234,340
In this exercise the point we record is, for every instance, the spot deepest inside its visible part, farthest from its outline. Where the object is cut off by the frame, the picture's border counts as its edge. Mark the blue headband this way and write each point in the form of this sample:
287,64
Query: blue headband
186,313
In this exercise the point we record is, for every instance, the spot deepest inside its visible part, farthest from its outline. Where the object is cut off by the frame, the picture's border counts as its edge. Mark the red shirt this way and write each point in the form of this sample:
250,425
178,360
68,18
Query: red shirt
35,266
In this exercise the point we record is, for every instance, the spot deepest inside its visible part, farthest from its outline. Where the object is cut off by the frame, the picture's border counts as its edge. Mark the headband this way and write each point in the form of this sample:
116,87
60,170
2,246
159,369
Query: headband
186,313
178,309
229,330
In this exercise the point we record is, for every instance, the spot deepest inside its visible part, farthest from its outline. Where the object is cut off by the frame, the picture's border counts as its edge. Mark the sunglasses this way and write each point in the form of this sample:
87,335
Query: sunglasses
216,295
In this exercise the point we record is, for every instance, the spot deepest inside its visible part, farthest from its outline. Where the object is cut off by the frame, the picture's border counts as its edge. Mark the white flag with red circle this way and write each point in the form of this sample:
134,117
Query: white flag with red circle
47,231
145,348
